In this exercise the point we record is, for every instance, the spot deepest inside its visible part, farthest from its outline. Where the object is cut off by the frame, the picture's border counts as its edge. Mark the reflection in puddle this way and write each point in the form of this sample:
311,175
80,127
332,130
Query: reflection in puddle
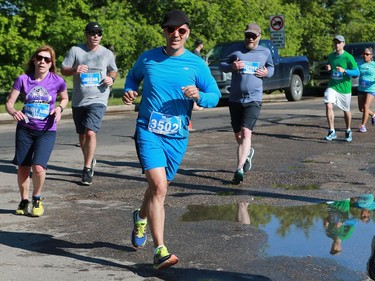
338,230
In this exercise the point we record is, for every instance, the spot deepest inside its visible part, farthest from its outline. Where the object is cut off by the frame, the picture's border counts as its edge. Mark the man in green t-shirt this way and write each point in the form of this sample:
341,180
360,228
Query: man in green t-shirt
342,67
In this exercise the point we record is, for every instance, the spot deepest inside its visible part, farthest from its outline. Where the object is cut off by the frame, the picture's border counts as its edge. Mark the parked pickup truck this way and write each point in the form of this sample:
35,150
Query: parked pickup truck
321,74
291,73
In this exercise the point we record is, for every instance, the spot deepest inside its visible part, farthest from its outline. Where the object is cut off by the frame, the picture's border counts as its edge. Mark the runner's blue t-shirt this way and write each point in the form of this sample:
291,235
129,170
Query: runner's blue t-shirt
367,77
164,109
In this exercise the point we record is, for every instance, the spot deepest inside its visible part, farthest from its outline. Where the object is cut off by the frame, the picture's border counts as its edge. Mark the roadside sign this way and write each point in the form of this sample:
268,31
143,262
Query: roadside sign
277,31
278,39
277,23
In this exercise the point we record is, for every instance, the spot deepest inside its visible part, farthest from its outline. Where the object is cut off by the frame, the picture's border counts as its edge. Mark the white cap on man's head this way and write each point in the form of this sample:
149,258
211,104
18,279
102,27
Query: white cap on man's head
252,28
340,38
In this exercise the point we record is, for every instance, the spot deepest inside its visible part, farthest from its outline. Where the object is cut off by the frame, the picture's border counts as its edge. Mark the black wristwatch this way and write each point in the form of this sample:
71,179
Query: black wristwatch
62,109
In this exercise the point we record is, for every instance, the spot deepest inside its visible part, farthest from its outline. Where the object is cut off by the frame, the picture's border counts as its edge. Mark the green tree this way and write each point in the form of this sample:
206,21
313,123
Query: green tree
133,26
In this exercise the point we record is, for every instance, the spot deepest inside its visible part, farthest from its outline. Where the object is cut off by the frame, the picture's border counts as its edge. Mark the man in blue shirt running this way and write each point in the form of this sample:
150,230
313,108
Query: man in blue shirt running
173,79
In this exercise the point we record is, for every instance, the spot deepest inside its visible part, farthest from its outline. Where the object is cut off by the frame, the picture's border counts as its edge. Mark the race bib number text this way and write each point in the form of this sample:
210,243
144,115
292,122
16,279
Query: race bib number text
163,124
365,83
90,79
337,75
250,67
36,110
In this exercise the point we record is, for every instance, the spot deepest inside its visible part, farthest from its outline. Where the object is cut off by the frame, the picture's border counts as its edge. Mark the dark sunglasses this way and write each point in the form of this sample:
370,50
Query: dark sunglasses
172,29
40,58
251,36
93,33
365,54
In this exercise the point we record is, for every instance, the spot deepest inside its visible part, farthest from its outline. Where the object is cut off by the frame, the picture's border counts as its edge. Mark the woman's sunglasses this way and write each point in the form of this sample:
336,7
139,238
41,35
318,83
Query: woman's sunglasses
40,58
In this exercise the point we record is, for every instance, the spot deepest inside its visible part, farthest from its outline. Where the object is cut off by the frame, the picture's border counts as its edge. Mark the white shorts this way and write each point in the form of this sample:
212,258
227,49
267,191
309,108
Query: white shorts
341,100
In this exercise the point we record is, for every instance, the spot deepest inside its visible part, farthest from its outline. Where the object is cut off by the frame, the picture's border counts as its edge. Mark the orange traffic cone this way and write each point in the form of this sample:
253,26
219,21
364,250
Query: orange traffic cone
190,126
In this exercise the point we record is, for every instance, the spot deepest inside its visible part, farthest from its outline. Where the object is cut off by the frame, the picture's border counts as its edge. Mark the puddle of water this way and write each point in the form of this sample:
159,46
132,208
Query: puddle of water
334,231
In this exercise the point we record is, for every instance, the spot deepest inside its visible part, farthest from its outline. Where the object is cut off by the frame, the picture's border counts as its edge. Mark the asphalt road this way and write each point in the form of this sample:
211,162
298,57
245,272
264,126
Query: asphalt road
84,233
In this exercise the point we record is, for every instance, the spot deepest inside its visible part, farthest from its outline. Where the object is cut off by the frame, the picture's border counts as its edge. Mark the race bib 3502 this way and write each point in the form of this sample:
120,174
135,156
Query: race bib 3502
164,124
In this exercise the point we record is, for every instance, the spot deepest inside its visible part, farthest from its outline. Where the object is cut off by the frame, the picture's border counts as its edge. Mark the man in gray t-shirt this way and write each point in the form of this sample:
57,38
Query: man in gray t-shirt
249,65
94,71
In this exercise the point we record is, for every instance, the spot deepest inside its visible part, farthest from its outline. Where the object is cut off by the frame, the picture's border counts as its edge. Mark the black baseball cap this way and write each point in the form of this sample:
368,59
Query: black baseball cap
175,18
198,42
93,26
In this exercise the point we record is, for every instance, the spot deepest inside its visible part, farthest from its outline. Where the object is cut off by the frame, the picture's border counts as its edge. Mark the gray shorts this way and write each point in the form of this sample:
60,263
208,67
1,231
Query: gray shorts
89,117
244,114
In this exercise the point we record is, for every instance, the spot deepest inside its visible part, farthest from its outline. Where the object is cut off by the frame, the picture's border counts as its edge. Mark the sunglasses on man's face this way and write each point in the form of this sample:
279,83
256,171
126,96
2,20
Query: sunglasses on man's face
172,29
251,36
40,58
93,33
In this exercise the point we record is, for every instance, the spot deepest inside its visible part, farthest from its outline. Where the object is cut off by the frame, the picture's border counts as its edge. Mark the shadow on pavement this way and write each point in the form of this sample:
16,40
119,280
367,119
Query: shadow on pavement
47,244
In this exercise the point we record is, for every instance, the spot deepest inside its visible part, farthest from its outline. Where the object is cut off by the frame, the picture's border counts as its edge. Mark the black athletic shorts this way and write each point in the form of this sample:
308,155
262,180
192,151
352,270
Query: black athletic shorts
244,114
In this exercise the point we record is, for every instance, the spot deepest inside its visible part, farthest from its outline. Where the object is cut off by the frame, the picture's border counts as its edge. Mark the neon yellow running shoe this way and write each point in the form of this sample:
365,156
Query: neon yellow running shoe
37,209
23,207
163,259
139,236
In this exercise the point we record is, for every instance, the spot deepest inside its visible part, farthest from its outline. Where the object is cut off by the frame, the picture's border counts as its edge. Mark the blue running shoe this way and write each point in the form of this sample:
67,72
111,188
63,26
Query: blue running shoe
139,236
163,259
331,136
348,136
247,165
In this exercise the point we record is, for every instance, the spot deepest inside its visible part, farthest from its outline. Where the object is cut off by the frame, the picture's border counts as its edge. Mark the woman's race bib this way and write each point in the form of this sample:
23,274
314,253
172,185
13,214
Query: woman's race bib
164,124
37,110
365,83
